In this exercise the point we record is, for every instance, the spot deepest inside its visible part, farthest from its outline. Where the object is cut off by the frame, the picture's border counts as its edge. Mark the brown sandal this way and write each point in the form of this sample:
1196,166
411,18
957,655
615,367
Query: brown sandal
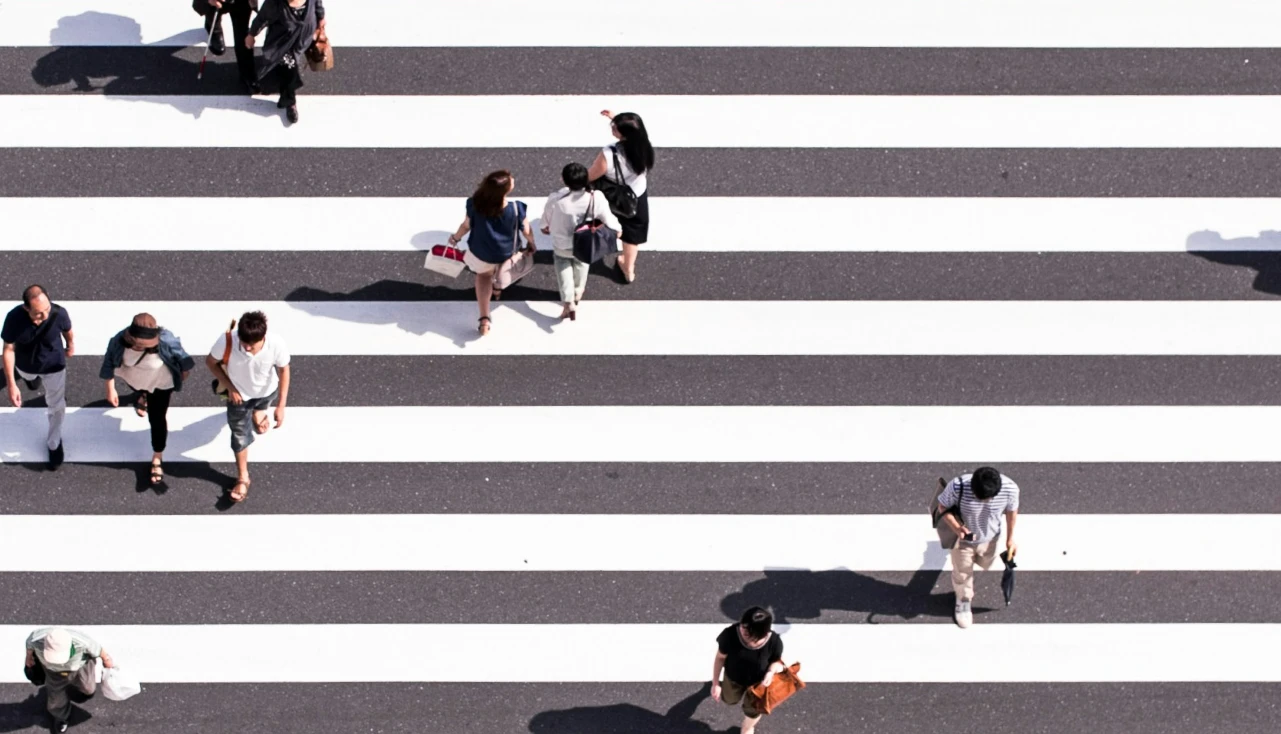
239,497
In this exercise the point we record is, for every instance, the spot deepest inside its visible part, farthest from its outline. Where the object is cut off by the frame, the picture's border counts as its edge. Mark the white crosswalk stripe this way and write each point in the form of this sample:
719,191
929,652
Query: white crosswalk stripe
373,562
681,224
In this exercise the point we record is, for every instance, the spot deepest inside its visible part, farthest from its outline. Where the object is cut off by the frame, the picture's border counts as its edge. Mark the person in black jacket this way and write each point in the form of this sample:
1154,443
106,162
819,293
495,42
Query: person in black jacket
291,27
239,11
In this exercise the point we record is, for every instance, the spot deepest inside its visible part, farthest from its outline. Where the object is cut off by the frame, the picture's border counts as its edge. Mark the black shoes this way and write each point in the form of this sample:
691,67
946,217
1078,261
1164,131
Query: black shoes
253,87
292,113
55,457
217,46
58,726
33,384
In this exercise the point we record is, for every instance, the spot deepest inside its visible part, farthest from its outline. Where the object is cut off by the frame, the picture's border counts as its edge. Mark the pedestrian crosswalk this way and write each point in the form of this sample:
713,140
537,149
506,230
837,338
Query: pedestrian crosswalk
890,242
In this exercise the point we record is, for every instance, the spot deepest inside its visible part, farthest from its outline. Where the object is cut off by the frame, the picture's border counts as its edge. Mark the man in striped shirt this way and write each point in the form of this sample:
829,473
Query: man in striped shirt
983,497
69,658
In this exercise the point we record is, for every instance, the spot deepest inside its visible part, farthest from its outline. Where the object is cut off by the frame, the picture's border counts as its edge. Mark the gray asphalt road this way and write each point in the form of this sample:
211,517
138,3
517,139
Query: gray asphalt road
739,380
646,488
1191,172
665,708
822,597
399,276
156,70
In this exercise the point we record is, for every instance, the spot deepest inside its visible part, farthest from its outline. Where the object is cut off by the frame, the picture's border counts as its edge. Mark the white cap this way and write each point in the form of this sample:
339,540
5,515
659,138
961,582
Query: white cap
57,646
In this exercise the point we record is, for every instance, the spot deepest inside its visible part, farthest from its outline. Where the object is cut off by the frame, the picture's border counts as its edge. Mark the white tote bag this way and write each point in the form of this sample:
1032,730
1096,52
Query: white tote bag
446,260
118,686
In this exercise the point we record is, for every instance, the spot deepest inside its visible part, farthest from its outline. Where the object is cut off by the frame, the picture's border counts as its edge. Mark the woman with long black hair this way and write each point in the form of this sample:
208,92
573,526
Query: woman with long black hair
628,161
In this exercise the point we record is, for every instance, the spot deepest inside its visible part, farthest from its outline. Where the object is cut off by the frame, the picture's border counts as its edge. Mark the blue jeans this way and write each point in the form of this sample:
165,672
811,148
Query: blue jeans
241,419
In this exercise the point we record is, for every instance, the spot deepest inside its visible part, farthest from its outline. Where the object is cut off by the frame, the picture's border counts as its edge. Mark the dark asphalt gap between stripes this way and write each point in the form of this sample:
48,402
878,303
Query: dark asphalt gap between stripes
796,597
648,488
668,276
663,708
733,380
171,70
944,172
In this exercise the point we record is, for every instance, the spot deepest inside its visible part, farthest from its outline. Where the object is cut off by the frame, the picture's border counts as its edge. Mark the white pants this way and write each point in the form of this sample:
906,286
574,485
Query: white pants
55,396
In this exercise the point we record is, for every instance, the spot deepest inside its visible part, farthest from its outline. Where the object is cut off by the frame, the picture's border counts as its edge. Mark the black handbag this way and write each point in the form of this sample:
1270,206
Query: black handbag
622,200
34,673
592,239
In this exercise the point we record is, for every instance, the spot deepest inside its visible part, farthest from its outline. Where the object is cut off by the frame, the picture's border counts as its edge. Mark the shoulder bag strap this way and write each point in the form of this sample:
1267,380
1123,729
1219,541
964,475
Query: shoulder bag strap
618,168
589,215
226,352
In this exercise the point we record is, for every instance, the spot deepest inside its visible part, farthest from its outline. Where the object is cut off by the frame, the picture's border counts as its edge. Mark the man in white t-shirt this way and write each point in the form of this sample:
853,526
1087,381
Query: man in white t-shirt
256,373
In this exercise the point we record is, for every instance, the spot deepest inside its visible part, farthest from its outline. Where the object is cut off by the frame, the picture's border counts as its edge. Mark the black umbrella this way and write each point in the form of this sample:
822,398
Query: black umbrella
1007,578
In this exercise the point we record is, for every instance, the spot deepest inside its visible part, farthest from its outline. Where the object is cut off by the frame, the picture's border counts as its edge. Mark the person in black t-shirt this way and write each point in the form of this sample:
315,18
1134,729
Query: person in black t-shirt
34,351
749,653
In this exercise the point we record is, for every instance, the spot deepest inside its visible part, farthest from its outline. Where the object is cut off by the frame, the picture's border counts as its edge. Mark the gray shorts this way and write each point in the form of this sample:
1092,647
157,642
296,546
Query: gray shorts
241,419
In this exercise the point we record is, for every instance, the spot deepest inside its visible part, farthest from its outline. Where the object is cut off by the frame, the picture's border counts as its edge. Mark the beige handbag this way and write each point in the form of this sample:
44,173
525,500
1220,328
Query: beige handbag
520,264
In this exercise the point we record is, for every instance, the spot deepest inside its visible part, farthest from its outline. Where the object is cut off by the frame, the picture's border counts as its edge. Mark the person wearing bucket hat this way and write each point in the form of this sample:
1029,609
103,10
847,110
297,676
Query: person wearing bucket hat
151,360
69,658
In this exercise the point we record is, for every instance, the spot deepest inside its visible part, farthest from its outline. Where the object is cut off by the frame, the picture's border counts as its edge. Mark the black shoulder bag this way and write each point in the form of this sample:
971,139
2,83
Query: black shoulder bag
622,200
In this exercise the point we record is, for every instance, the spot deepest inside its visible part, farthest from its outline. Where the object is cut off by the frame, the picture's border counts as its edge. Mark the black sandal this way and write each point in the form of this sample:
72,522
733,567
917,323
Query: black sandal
157,472
483,325
140,405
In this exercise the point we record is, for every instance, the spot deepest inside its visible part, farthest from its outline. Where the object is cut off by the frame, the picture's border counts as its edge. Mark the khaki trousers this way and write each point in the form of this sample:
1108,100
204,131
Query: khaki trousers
964,559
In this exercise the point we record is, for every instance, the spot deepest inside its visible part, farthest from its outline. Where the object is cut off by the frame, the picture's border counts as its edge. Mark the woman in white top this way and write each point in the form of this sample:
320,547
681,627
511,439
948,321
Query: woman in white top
635,159
150,360
566,211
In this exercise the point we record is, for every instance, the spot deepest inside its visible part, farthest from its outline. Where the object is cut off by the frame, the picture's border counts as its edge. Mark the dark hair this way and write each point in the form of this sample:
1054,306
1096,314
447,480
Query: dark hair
985,483
252,328
635,143
31,293
575,176
487,200
758,621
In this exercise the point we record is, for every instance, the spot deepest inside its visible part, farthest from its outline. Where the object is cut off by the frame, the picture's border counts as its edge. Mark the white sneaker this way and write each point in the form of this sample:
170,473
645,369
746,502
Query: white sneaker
963,616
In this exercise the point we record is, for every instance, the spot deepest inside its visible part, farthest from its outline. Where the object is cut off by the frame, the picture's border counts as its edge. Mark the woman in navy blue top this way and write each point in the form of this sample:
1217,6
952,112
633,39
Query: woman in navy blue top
493,222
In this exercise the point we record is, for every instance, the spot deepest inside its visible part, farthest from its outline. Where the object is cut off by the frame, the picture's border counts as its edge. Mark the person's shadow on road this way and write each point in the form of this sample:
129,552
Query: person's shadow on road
135,72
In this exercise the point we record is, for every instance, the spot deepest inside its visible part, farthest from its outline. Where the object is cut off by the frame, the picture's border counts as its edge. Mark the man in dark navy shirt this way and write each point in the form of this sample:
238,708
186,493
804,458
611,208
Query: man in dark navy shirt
34,335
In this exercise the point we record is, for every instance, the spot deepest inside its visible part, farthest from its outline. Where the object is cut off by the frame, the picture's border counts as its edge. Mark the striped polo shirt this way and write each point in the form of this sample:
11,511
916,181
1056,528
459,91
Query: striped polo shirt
982,517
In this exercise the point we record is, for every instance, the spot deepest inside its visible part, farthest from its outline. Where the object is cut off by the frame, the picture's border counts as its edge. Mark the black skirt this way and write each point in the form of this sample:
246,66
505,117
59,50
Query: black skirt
636,229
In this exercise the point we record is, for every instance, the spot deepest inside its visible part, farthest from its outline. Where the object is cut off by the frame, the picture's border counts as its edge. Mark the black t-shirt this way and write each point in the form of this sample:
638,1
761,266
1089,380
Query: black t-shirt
746,666
38,350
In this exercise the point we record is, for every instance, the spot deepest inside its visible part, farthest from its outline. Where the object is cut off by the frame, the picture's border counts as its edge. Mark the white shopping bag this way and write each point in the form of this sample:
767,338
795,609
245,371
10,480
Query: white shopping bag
446,260
119,686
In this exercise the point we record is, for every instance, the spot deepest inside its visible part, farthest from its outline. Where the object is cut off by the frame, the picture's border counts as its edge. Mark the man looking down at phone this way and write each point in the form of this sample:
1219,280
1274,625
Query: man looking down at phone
983,497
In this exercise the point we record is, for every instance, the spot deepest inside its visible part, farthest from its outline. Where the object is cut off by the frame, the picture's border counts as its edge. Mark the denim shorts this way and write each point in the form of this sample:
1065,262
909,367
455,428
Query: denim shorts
241,419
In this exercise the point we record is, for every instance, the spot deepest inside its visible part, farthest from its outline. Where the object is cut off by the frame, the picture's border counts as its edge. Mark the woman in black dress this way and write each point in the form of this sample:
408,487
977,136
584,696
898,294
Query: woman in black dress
748,653
635,157
291,27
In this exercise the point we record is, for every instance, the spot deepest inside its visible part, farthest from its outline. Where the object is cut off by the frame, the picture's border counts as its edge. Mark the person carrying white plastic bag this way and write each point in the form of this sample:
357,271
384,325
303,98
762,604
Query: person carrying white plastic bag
118,685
